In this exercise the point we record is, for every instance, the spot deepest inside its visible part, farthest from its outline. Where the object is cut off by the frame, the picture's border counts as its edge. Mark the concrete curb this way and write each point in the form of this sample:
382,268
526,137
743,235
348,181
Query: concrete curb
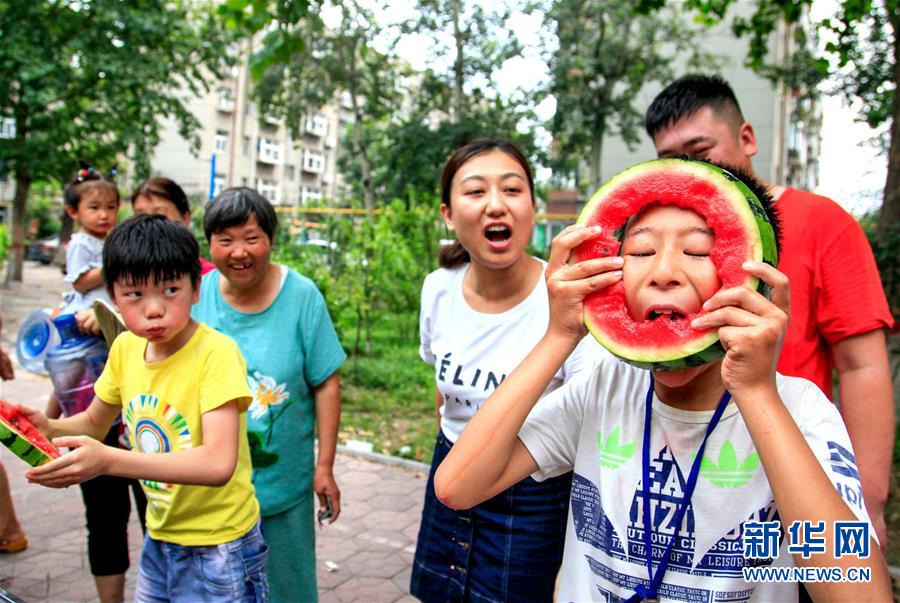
385,459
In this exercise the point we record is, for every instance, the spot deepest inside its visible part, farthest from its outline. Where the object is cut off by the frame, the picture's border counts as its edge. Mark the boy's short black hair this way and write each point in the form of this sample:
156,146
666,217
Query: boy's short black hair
234,206
758,188
146,247
687,95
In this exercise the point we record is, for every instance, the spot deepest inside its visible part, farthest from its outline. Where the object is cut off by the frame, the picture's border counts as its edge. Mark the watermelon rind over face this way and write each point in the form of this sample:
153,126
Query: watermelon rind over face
22,439
742,232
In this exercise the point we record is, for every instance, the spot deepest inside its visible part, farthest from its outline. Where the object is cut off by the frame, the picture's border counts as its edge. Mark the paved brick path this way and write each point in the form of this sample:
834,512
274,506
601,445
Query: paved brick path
372,543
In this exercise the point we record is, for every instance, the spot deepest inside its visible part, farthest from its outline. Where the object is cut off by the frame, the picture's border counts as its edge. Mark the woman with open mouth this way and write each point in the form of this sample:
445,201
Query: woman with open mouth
482,312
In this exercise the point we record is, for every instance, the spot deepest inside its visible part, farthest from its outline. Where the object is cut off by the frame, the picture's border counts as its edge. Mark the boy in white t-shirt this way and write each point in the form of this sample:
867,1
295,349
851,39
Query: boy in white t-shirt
758,466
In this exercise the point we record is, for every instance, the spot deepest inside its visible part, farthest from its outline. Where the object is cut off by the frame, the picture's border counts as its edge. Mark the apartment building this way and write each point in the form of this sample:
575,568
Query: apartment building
241,147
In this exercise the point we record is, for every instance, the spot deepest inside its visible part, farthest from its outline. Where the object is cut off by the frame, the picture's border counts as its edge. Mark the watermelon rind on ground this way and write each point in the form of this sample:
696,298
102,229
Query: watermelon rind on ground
663,181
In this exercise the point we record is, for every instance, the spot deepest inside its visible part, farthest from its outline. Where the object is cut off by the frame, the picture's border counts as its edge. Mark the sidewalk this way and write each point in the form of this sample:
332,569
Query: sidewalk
371,546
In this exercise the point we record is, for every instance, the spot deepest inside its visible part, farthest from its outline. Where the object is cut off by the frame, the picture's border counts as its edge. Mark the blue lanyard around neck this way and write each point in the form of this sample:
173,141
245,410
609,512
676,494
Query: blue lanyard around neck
648,592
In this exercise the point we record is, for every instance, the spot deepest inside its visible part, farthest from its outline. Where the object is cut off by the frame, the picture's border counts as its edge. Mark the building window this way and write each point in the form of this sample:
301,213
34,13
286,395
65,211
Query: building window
269,151
8,127
313,161
309,194
218,184
268,189
246,148
315,125
226,100
289,172
221,141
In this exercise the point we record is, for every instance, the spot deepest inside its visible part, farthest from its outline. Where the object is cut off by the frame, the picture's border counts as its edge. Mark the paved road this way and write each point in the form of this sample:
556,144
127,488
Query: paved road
371,545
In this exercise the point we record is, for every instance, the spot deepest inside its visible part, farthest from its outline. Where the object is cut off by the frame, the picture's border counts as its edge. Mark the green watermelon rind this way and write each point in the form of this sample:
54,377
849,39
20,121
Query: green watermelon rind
20,446
707,348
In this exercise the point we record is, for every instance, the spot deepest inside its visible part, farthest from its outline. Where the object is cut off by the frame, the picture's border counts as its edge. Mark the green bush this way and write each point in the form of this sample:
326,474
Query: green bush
46,212
886,250
4,243
371,276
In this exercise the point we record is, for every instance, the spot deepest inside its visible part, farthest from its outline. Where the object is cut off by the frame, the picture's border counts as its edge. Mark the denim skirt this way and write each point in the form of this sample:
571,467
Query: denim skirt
508,548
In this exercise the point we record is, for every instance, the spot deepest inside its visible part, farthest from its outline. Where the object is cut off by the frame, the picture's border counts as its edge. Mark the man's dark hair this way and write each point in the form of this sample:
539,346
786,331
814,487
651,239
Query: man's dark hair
234,206
687,95
149,247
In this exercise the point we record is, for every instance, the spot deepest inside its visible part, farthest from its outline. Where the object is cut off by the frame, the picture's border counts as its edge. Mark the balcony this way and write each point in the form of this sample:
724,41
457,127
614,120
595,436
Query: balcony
309,194
312,162
315,125
225,101
269,151
268,189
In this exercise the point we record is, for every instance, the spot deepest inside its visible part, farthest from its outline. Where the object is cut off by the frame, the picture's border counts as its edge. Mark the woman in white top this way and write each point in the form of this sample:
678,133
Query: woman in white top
482,312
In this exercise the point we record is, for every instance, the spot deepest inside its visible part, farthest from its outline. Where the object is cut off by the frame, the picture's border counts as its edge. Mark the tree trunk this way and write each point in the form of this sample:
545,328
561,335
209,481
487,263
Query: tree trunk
20,204
358,137
889,219
458,74
364,163
66,227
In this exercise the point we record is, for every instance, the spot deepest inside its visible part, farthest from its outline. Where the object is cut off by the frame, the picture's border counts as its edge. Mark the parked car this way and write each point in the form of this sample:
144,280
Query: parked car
43,250
320,243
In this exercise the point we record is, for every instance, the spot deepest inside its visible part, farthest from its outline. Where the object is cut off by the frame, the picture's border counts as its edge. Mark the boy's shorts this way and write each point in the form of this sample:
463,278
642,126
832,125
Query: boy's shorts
234,571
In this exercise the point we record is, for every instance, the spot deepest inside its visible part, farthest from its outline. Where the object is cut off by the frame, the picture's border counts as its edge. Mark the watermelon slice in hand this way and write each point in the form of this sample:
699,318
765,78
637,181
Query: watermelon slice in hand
19,435
742,232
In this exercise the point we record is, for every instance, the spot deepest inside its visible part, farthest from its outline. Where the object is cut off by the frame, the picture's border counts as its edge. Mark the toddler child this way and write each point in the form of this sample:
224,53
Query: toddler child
182,391
92,201
636,439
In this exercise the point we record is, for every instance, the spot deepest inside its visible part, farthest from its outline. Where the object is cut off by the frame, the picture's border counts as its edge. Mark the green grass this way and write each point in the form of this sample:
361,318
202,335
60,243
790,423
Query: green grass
388,395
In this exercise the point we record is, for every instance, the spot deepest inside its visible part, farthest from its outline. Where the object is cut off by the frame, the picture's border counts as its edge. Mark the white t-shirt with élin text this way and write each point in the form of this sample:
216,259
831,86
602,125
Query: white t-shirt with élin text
473,352
595,424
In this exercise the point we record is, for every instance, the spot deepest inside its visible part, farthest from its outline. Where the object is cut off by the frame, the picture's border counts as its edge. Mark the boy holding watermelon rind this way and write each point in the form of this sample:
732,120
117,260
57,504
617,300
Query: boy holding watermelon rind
755,464
181,389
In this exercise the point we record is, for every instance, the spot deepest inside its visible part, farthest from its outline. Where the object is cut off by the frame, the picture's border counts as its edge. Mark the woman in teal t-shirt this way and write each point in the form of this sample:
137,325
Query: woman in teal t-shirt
282,327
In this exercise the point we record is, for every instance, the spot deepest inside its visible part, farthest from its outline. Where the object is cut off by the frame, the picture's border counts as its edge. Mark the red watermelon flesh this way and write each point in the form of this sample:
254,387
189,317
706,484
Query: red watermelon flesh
733,213
22,438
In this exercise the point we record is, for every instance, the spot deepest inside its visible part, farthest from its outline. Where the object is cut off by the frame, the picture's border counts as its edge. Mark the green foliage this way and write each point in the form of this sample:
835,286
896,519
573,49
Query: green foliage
408,156
452,103
90,80
4,243
43,210
886,249
371,277
472,41
304,63
859,50
388,395
375,269
197,213
605,55
83,80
